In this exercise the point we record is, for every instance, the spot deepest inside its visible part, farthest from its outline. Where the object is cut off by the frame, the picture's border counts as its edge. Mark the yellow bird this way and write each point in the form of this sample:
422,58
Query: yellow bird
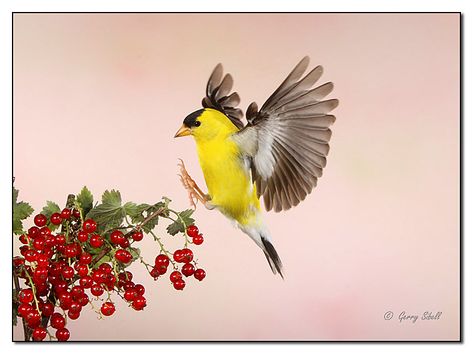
278,155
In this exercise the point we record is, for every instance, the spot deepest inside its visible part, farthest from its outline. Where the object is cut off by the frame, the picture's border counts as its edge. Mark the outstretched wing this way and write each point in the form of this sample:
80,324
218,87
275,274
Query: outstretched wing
287,140
218,96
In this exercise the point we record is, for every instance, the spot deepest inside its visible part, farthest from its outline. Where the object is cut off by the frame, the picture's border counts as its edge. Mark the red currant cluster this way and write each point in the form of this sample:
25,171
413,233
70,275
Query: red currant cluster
185,256
66,270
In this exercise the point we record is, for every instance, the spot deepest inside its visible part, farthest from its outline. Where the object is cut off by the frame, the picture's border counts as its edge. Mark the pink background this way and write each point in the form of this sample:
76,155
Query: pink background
99,97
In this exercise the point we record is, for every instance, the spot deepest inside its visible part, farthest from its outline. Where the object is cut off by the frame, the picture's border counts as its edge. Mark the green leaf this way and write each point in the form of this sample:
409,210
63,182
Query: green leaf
181,223
21,211
105,259
49,210
135,253
110,213
136,212
112,197
85,200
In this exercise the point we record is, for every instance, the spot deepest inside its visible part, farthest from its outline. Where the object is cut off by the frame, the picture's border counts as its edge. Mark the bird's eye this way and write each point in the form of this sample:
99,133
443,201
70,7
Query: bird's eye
197,123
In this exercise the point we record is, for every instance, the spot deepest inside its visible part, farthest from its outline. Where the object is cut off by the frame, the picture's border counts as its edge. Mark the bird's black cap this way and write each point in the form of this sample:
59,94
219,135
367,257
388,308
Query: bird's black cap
191,120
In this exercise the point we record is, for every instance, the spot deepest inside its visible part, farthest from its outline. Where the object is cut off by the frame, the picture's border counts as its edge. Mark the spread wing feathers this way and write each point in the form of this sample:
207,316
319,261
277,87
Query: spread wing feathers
218,96
287,140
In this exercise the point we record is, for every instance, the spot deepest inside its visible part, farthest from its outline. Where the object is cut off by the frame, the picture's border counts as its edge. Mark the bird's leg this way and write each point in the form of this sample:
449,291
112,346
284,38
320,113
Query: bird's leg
195,193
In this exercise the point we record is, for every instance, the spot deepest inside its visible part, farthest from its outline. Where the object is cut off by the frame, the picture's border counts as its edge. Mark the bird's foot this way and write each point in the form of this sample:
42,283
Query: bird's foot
194,192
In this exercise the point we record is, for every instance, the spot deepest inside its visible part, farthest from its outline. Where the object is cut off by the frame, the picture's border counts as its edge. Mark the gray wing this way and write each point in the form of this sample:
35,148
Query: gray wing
218,96
287,140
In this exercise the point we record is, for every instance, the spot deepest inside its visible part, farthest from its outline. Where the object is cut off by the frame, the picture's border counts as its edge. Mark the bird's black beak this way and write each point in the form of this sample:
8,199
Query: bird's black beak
183,131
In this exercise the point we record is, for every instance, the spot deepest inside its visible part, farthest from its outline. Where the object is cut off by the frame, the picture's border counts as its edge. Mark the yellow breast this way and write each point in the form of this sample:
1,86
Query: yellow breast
228,180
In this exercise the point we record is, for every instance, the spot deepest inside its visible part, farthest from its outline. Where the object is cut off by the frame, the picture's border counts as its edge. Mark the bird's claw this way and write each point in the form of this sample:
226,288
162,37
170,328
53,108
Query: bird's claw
189,184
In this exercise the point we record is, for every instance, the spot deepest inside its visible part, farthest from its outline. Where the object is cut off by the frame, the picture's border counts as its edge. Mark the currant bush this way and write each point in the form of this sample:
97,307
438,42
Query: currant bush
78,255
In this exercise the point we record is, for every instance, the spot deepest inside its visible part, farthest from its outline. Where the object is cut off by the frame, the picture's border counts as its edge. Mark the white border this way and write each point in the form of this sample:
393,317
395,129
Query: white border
7,6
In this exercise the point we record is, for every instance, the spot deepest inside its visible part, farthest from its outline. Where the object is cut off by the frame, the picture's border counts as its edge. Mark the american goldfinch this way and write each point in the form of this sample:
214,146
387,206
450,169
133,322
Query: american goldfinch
278,155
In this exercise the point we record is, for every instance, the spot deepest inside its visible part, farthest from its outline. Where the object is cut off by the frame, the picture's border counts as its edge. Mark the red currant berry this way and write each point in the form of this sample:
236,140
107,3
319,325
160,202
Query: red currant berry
137,236
98,276
83,300
96,241
67,272
86,282
57,320
125,243
82,236
60,239
155,273
130,294
39,333
108,308
65,299
75,213
42,260
161,261
18,261
75,306
33,318
56,219
62,334
82,270
25,296
106,268
192,231
85,258
24,309
96,290
174,276
40,275
66,213
179,284
33,232
178,256
198,240
123,256
139,303
24,239
187,255
140,289
40,220
31,255
73,315
199,274
117,237
44,231
38,243
188,269
47,309
77,291
89,226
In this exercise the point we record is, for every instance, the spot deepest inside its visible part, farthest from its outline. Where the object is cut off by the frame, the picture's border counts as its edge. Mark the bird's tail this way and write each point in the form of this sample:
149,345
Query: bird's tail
272,257
263,240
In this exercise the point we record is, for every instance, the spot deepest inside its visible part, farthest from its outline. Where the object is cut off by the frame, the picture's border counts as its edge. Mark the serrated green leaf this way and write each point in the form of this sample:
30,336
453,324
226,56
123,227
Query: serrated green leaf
85,200
49,210
21,211
107,216
181,223
110,213
112,197
136,214
15,195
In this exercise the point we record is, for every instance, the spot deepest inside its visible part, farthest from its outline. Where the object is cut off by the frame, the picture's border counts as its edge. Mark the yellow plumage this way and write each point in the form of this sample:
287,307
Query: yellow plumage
228,181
